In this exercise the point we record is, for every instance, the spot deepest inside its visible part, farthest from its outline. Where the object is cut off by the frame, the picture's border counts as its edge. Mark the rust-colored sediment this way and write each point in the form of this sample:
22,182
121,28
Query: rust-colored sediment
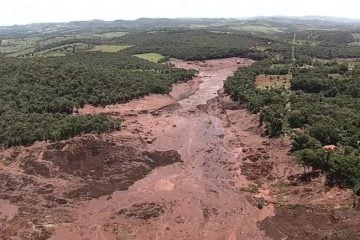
187,165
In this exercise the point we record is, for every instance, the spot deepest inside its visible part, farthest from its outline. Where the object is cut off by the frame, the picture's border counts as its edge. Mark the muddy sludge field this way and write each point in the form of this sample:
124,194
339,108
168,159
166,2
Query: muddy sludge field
188,165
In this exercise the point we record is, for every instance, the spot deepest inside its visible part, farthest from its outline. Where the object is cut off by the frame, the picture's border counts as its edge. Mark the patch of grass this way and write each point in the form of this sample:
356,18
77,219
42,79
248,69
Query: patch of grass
113,34
152,57
256,28
320,60
263,81
354,63
305,43
278,65
61,50
336,76
110,48
356,36
354,44
51,54
197,26
21,53
17,45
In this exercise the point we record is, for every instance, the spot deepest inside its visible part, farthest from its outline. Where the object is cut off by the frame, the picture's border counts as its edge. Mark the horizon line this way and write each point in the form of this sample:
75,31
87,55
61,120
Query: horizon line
325,18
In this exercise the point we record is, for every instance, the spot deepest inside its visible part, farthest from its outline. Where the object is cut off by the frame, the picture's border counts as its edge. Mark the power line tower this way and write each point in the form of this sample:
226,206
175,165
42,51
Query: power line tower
293,49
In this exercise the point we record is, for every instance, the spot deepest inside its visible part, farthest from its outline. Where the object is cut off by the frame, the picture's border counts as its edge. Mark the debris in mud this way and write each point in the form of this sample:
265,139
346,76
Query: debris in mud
257,202
36,168
103,167
9,186
258,170
208,212
256,157
313,223
33,228
149,140
52,176
144,211
210,150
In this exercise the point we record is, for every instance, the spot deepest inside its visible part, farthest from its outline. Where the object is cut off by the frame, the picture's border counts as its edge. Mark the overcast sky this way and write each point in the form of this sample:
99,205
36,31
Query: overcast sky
34,11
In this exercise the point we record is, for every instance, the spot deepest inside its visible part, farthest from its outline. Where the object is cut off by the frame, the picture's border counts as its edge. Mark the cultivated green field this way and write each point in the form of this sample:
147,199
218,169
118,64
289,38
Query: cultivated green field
17,45
356,40
110,48
356,36
152,57
61,50
112,34
256,28
21,52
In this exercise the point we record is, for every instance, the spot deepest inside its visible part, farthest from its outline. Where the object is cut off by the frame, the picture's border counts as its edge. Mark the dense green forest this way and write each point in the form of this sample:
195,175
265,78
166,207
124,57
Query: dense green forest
38,95
328,109
177,43
195,44
323,102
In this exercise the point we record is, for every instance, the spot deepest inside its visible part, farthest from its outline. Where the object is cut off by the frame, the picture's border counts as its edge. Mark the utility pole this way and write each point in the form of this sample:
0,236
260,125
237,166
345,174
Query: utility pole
293,49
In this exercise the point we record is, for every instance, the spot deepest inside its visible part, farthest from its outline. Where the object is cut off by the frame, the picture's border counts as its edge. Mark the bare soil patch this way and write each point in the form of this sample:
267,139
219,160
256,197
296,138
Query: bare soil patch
302,222
273,81
39,184
142,105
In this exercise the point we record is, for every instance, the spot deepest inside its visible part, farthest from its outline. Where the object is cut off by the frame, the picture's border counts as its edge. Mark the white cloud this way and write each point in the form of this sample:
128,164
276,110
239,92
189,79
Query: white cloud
29,11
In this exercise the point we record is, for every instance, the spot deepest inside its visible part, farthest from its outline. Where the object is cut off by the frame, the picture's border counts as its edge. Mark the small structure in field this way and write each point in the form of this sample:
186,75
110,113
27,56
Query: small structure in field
4,42
329,148
273,81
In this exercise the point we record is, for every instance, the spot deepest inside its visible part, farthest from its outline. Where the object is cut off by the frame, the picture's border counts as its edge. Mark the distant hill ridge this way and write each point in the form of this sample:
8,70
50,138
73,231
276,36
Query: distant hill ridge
96,25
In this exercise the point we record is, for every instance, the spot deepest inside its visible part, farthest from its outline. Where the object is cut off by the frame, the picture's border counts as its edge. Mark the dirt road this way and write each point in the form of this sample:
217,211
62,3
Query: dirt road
188,165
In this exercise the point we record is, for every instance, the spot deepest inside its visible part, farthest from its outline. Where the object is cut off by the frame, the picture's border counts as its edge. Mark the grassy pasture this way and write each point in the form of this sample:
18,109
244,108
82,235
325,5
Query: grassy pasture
107,35
351,62
354,44
10,48
273,81
197,26
17,45
52,54
352,65
55,40
256,28
112,34
320,60
152,57
21,52
110,48
61,50
356,36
